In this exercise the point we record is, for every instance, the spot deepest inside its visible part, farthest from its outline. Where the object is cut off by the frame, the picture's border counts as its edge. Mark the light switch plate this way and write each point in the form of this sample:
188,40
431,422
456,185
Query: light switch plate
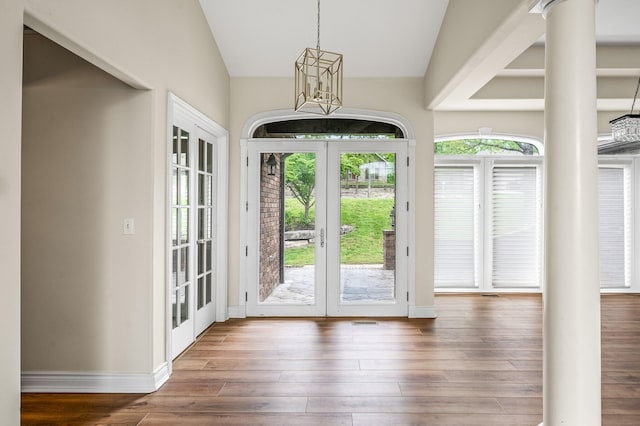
128,226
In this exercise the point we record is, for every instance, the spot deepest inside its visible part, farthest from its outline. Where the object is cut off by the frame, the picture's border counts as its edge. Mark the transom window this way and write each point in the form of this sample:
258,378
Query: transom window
328,128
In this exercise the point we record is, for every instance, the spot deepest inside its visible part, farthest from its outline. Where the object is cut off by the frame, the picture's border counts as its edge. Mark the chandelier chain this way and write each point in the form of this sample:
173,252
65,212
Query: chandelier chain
318,40
635,96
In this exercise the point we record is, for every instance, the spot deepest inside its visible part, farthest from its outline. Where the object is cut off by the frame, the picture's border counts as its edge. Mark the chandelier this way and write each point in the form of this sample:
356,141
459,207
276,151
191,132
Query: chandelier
318,82
625,130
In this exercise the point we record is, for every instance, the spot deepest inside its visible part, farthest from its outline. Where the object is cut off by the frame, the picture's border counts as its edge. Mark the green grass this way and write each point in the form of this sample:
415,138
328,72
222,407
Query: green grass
363,245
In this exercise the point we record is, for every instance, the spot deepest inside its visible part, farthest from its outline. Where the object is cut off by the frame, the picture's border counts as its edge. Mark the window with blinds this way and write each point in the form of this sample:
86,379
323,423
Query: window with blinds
515,227
455,227
615,211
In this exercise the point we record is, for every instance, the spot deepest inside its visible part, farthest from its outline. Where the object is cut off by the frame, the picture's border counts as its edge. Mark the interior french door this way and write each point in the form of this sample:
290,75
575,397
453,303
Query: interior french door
192,218
313,271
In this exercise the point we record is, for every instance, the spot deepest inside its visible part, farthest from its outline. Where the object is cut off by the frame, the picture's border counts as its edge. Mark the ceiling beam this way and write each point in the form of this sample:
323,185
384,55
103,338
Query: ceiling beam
477,40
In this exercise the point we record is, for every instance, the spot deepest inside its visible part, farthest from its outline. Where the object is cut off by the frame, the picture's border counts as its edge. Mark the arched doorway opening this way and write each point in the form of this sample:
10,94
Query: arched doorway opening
325,232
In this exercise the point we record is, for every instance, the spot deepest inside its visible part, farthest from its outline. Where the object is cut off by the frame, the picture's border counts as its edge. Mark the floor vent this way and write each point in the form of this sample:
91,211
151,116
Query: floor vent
491,295
365,322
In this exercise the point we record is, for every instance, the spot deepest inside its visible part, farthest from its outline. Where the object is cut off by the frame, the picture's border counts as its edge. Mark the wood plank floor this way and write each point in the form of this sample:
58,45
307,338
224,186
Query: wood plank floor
479,363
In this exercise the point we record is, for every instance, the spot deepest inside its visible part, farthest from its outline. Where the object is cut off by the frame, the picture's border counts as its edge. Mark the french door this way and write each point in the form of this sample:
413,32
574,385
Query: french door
327,231
192,245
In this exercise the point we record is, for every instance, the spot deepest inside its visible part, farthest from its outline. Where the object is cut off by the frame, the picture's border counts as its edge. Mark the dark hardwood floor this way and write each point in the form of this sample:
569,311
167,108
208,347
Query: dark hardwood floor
479,363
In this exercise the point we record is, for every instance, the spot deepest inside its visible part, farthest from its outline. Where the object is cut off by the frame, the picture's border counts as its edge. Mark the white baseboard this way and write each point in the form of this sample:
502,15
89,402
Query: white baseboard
422,312
71,382
237,311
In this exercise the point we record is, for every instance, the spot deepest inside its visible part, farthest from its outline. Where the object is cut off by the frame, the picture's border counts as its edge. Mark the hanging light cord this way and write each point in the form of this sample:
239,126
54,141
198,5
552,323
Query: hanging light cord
634,96
318,41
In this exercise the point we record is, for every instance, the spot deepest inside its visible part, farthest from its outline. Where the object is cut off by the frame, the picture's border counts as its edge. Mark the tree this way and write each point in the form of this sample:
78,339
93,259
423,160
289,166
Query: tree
300,178
479,146
300,174
350,166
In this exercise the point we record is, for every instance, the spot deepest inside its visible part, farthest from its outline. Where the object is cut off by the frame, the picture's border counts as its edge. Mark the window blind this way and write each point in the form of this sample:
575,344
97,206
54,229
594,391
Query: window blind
455,227
612,210
515,227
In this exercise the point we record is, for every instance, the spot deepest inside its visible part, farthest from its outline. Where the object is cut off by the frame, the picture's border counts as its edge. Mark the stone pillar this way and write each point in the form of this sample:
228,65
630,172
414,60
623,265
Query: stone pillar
572,282
389,249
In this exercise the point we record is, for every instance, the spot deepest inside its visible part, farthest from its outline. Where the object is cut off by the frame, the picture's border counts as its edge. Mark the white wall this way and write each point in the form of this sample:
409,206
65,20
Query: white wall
160,45
521,123
10,116
404,96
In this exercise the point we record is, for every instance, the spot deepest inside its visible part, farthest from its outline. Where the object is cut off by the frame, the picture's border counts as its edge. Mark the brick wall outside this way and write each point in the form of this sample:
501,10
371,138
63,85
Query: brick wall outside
269,230
389,250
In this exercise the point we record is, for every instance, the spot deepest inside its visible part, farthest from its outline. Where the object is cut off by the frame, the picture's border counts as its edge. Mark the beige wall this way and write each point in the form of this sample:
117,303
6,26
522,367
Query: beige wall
10,112
160,45
404,96
85,286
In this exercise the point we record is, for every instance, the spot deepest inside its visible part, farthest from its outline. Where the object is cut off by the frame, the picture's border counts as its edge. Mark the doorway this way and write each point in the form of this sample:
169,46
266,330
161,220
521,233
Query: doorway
196,229
327,227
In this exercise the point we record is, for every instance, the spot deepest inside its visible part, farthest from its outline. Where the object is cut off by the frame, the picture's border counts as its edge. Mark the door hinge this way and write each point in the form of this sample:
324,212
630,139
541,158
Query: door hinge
246,206
407,250
407,161
246,250
246,296
247,161
407,206
407,296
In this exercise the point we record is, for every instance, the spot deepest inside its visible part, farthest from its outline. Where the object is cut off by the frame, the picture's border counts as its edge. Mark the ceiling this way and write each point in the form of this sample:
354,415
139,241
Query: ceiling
396,38
378,38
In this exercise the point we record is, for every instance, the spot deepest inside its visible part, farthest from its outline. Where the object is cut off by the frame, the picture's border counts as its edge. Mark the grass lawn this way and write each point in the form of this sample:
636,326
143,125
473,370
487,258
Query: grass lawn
369,216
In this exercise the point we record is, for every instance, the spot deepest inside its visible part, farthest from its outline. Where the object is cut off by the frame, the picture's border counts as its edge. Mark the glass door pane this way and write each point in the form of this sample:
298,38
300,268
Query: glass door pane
181,241
289,230
366,273
205,219
367,228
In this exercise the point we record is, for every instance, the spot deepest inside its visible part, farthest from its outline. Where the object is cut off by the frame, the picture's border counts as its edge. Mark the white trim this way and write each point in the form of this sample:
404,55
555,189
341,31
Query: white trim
241,309
286,114
237,311
259,119
422,312
62,382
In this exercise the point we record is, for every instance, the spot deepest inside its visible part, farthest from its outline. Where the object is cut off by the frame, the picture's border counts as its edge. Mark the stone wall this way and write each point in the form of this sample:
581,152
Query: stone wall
270,229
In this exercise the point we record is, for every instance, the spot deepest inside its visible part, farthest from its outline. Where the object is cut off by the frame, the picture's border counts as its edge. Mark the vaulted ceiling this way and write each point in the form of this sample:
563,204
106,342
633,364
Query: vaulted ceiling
477,55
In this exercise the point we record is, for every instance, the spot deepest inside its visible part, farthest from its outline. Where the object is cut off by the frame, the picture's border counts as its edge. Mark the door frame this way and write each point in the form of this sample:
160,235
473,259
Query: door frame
240,310
177,107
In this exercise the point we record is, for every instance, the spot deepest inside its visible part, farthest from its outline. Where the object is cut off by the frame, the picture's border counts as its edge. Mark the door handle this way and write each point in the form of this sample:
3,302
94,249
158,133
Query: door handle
321,237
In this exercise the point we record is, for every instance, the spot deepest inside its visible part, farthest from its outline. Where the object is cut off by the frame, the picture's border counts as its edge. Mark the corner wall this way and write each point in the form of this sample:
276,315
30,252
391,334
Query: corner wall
10,117
162,46
86,138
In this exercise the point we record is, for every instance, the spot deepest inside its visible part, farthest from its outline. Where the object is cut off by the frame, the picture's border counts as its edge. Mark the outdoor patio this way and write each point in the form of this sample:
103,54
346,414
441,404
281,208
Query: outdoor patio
360,283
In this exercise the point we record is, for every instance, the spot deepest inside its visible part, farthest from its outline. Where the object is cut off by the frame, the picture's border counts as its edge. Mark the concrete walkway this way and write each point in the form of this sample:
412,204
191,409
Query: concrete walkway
360,284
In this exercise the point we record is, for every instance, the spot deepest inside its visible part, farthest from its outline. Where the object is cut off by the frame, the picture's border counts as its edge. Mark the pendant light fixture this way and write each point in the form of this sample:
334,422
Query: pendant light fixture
318,79
625,131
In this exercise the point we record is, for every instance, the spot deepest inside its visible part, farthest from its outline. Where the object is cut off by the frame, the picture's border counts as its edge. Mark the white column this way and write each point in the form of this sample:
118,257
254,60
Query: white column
571,289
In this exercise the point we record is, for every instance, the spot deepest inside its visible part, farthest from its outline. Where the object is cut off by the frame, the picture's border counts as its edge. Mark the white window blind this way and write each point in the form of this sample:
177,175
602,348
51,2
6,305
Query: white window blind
614,208
455,227
515,227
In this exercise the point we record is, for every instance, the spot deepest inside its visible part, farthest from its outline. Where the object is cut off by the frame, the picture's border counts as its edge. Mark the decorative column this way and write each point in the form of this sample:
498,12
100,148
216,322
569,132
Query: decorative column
572,279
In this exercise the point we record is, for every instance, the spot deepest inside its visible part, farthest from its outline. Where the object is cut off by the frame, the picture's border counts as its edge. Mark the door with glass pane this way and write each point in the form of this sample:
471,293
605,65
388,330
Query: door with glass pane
321,232
367,209
287,229
192,218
